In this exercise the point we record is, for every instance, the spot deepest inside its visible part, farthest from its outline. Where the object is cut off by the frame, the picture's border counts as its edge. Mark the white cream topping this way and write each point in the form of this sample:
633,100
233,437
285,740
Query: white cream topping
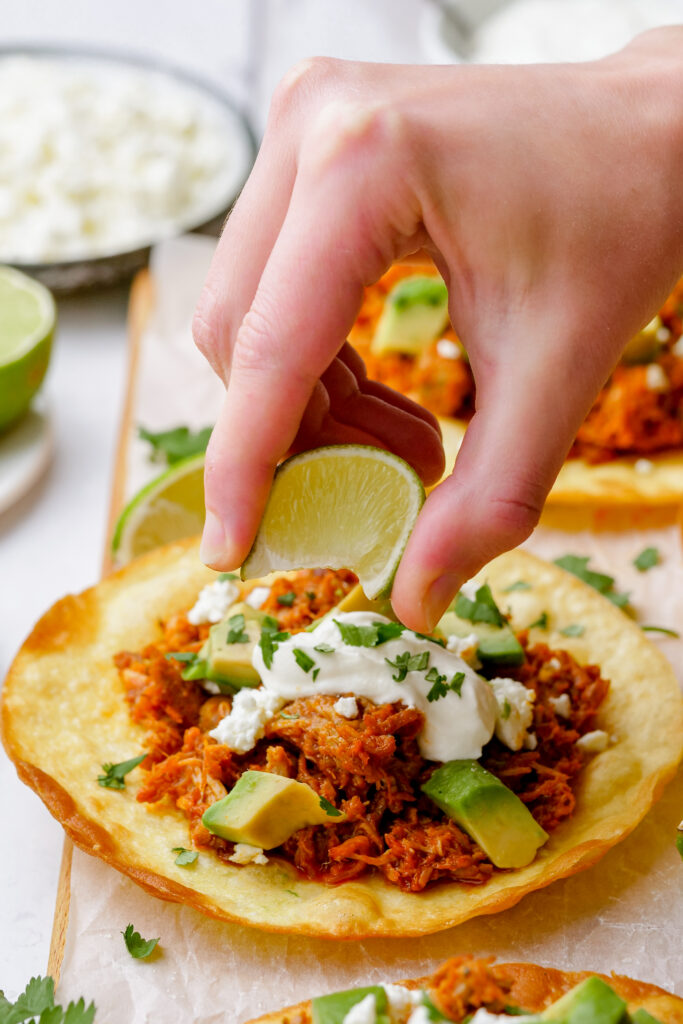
515,712
347,707
457,725
364,1012
245,725
561,705
244,853
655,378
593,742
213,602
256,597
448,349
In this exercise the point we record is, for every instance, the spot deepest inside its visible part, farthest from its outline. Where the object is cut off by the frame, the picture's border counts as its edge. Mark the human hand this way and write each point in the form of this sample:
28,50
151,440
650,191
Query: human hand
549,198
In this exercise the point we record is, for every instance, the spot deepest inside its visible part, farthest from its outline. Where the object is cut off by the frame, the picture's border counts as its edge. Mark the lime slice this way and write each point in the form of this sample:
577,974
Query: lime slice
27,323
168,508
345,506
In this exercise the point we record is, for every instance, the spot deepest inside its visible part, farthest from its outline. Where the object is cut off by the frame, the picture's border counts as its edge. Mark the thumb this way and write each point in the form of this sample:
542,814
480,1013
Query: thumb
528,414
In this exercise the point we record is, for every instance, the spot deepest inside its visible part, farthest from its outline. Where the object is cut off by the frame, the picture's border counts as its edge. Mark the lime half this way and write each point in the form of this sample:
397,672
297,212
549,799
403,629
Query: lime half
168,508
27,323
344,506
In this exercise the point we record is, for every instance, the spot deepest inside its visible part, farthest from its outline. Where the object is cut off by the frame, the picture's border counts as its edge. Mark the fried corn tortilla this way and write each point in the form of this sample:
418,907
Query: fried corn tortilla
533,988
63,715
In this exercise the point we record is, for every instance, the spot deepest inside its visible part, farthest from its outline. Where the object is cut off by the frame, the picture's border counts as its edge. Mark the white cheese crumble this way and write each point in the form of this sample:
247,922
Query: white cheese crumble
420,1015
561,705
210,686
213,602
677,348
347,707
400,1000
515,713
459,719
655,378
643,466
256,597
247,854
465,647
448,349
245,725
469,589
554,663
593,742
662,334
364,1012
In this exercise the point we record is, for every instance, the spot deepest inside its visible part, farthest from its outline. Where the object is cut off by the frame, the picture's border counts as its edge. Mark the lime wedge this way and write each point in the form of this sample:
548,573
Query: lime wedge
168,508
344,506
27,323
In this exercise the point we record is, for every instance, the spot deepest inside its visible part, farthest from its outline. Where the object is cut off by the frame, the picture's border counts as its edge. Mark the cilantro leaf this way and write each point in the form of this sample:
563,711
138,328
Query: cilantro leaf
507,708
78,1013
329,808
270,639
540,623
114,774
456,682
236,631
573,629
287,600
406,662
388,631
37,1004
185,857
292,718
303,660
368,636
647,558
482,609
441,687
324,648
315,673
180,656
518,585
223,576
38,996
137,946
660,629
195,667
577,565
171,446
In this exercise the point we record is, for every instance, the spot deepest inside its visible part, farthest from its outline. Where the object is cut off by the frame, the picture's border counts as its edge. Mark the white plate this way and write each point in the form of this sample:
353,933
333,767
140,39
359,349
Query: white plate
25,453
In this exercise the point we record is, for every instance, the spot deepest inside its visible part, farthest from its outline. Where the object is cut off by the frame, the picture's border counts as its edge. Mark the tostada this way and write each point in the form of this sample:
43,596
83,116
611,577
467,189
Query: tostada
334,773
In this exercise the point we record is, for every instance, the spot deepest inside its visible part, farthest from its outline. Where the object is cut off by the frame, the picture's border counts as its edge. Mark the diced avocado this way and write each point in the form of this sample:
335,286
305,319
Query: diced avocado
263,810
332,1009
485,808
496,644
356,601
645,346
228,656
641,1016
590,1002
414,315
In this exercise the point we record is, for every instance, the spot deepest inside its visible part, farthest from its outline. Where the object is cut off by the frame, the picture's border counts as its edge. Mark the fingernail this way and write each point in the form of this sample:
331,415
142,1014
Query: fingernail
213,547
438,597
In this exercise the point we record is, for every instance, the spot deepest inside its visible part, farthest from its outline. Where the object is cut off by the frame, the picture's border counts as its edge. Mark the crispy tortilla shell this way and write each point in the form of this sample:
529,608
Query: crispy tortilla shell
64,714
617,482
534,988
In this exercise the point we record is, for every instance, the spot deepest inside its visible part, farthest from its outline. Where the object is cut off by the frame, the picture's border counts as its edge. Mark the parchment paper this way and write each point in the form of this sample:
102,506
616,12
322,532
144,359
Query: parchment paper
624,914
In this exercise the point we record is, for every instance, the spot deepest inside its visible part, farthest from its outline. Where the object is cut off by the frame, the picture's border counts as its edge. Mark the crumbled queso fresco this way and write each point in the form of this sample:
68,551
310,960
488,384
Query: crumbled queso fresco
213,602
98,157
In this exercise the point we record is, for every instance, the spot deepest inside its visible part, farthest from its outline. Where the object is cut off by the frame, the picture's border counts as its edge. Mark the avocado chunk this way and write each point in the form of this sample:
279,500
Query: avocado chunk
590,1002
332,1009
356,601
485,808
496,642
264,810
645,346
414,315
230,646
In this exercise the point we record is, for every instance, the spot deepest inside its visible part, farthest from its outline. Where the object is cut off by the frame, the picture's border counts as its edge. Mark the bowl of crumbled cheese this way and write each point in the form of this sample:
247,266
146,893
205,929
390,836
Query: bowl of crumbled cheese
102,155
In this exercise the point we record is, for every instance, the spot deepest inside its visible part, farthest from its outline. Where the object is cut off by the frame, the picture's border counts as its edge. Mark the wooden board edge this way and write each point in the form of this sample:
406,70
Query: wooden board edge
140,306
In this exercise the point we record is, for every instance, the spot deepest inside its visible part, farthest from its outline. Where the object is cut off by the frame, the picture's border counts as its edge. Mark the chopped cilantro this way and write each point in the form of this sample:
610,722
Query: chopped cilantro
223,576
518,585
114,774
181,655
456,682
482,609
287,600
315,673
292,718
292,893
270,639
303,660
679,842
540,623
368,636
310,595
171,446
647,558
577,565
406,662
137,946
324,648
236,630
505,713
185,857
329,808
660,629
195,667
573,629
431,639
441,687
37,1002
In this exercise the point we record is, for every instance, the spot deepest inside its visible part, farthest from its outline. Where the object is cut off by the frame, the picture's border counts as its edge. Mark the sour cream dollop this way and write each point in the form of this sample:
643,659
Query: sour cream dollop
457,724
